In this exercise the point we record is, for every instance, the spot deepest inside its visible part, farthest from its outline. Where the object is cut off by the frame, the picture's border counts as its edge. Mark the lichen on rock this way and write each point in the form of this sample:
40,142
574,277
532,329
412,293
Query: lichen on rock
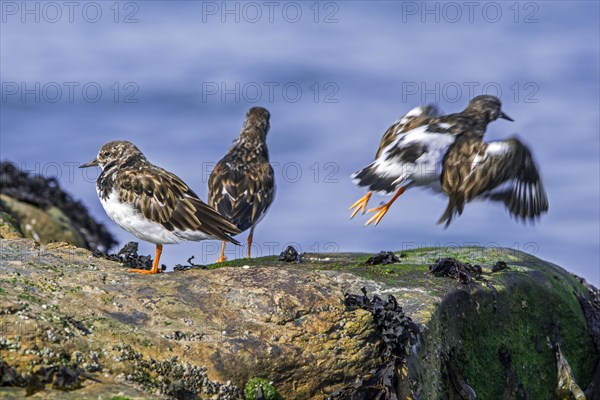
207,332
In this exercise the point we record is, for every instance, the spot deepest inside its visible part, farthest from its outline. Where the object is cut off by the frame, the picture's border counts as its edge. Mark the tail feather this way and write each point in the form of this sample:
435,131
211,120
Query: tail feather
456,205
214,223
375,182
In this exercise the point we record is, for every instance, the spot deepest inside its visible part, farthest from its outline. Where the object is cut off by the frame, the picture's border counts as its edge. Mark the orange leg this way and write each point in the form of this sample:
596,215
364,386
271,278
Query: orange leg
382,210
361,204
250,241
154,269
222,257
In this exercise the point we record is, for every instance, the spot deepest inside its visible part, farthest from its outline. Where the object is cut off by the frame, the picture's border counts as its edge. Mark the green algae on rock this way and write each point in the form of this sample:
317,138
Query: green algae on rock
44,226
9,227
46,213
207,332
259,388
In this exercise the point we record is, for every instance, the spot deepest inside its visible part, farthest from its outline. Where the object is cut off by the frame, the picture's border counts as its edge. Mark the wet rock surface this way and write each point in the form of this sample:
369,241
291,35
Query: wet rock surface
76,326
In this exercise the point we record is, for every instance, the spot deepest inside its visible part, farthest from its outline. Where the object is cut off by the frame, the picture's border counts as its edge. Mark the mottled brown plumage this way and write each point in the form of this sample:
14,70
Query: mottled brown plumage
242,184
416,117
162,197
501,171
474,119
447,153
153,203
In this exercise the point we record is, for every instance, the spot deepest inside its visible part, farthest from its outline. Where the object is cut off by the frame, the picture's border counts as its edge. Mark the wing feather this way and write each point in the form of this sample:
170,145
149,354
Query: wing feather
502,171
416,117
164,198
242,193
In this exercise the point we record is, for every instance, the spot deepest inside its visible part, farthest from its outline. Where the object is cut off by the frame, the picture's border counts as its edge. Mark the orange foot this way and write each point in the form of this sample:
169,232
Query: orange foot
154,269
379,213
222,257
360,205
383,209
145,271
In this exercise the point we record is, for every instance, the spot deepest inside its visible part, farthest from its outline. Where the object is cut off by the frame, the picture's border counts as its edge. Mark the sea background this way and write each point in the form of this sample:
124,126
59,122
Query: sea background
177,77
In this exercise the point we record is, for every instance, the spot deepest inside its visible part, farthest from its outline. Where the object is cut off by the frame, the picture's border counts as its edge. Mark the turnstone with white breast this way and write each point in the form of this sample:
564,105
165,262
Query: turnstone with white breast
151,203
414,118
242,184
420,158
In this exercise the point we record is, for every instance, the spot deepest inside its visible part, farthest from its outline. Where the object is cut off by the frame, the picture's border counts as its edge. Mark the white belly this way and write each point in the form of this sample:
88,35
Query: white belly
428,168
425,170
128,218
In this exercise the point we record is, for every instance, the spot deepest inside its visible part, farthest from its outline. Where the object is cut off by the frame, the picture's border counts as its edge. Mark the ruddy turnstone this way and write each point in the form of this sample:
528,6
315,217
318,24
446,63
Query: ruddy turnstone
151,203
242,185
502,171
414,118
428,155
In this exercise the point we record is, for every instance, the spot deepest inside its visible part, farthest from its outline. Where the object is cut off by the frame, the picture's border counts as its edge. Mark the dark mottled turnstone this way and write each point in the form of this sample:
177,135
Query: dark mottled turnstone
502,171
447,154
152,203
414,118
242,185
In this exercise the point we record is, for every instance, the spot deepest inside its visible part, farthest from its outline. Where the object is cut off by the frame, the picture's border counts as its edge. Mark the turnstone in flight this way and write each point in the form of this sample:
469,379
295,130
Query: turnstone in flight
502,171
242,184
414,118
151,203
447,154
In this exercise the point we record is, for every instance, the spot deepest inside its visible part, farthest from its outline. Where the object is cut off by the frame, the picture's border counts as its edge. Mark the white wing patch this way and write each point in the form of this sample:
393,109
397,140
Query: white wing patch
497,148
415,112
426,169
493,149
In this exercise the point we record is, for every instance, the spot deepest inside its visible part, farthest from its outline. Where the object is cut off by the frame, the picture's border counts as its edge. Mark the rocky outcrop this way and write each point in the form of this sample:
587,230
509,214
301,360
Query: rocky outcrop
9,227
35,207
43,226
76,326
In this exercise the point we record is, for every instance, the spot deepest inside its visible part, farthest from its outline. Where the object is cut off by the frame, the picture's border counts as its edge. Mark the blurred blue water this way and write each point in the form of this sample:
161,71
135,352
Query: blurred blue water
334,77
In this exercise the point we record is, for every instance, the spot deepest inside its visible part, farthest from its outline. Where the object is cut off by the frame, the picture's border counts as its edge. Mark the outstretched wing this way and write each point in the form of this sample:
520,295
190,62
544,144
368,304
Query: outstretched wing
164,198
501,171
242,193
416,117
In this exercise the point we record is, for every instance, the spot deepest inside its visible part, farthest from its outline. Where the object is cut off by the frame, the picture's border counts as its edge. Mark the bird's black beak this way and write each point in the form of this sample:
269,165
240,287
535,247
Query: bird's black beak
93,163
504,116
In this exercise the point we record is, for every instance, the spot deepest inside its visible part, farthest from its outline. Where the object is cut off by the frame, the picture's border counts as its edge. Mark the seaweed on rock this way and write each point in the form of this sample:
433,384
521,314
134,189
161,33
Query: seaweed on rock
45,193
398,333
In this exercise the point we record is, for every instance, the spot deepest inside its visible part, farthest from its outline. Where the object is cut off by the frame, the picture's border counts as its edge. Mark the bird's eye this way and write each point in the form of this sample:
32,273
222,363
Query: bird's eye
106,153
